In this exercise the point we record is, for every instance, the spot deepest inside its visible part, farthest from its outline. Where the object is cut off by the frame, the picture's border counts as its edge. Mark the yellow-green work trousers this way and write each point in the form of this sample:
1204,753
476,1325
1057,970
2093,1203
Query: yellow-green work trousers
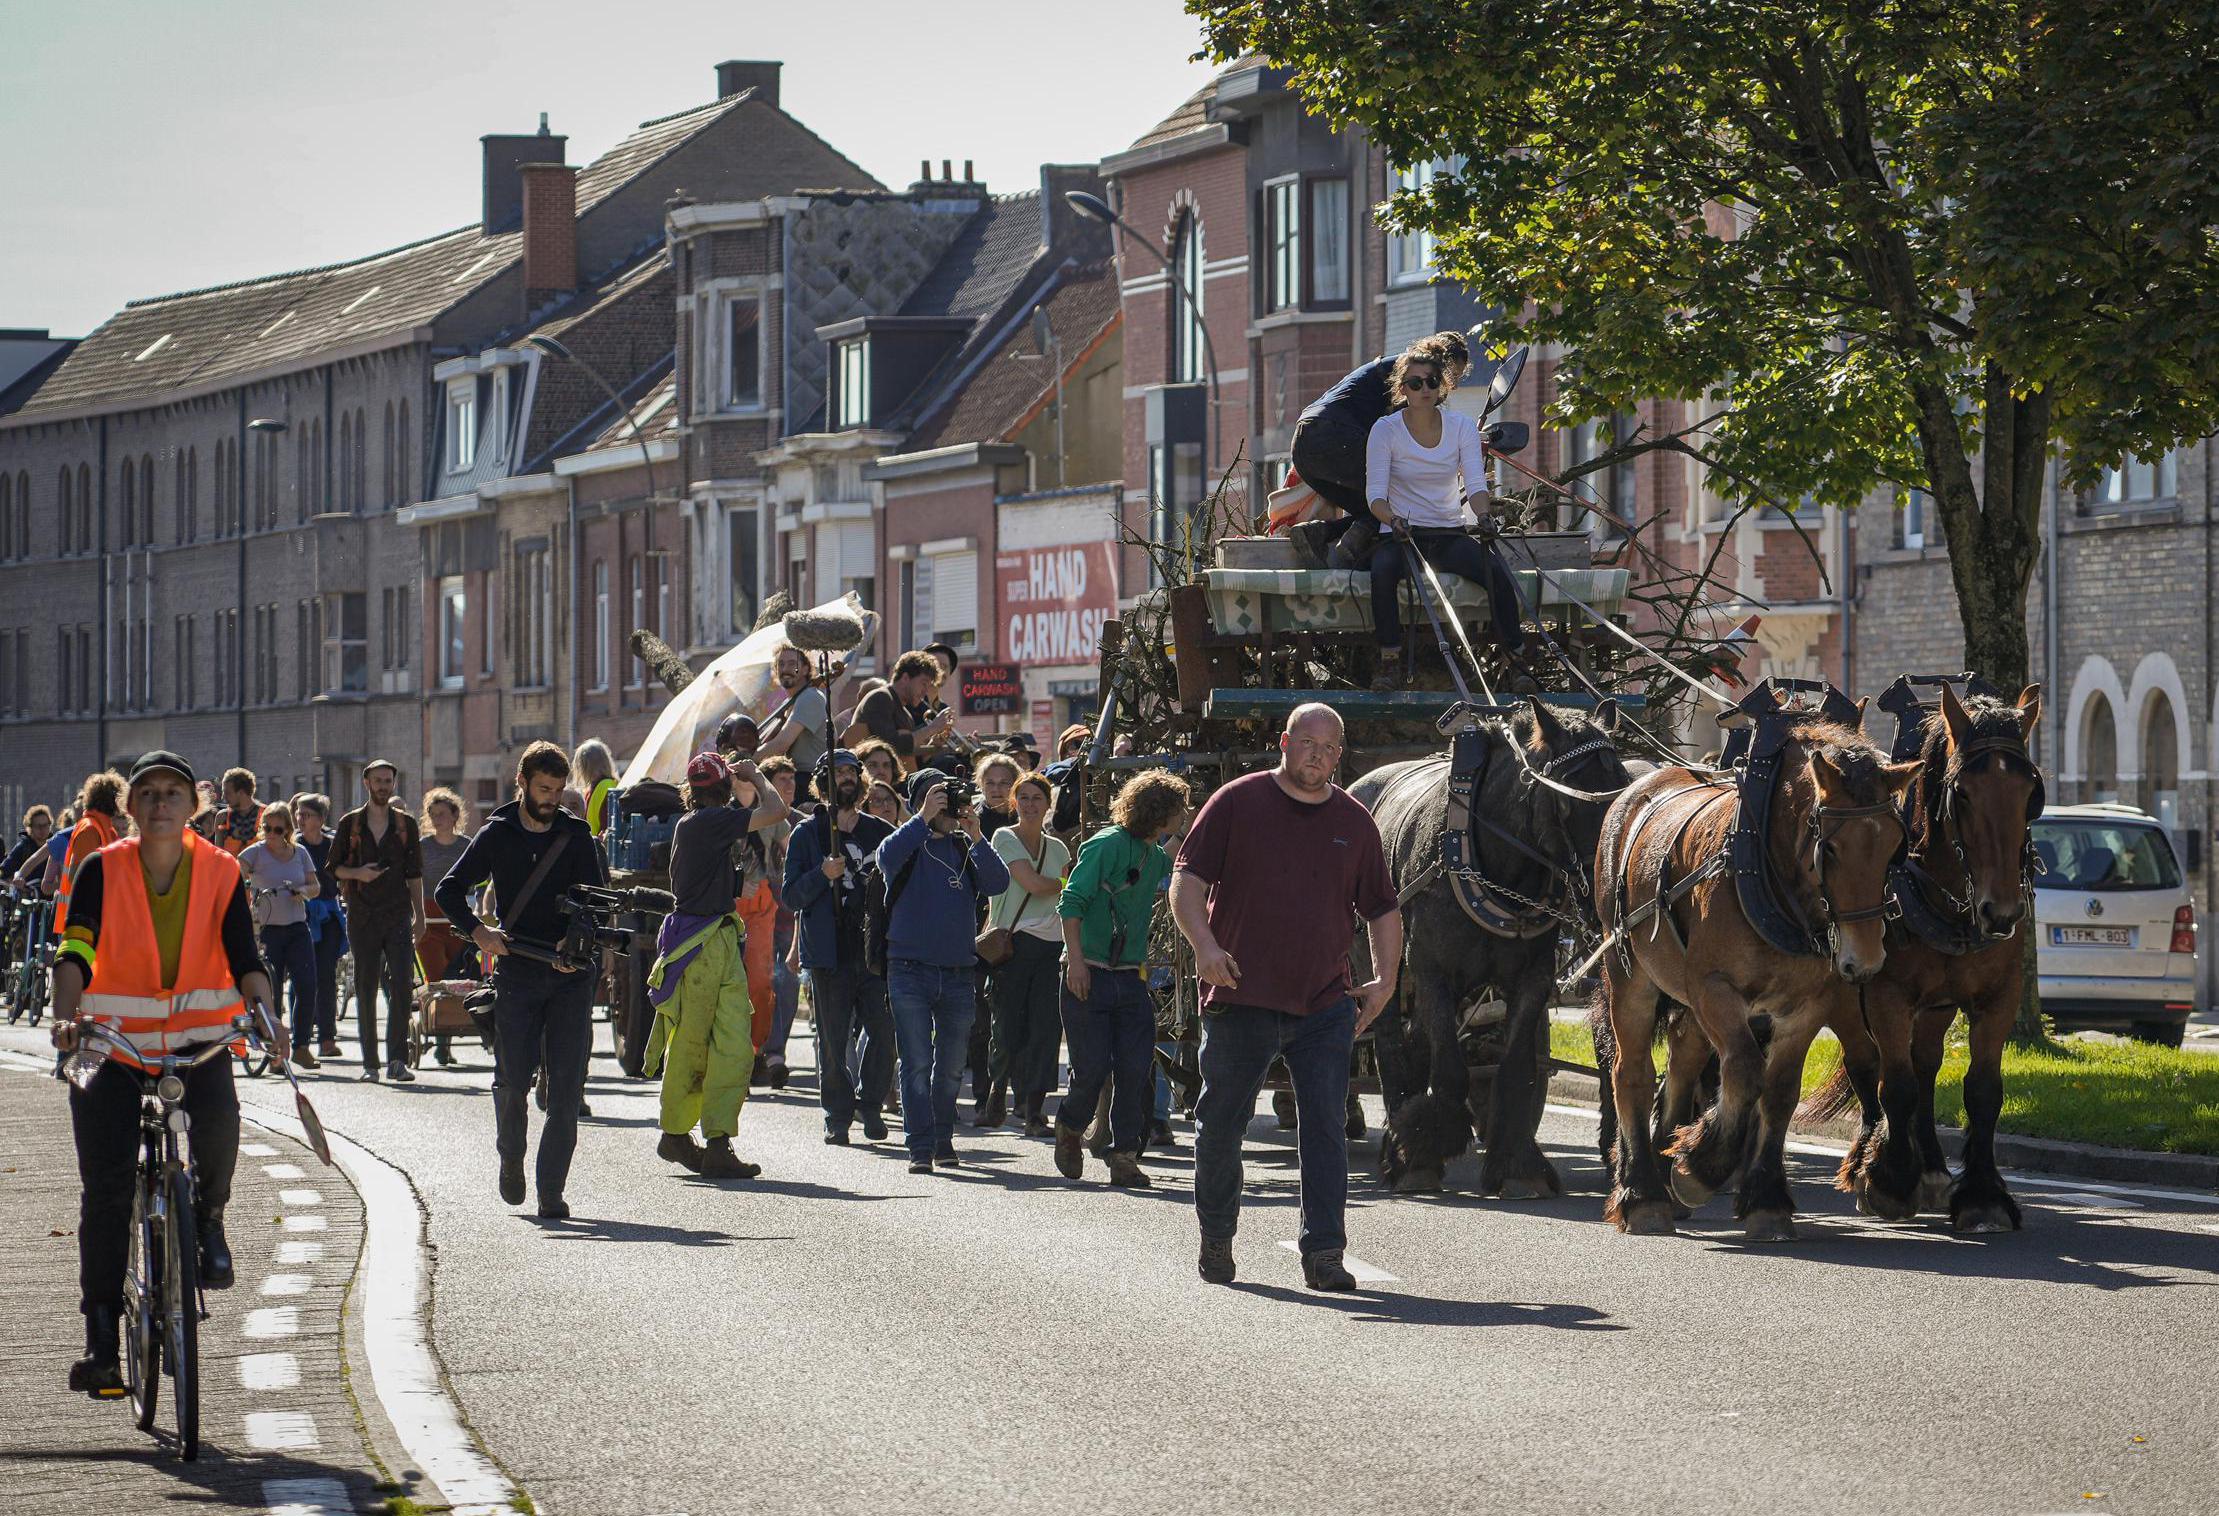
703,1035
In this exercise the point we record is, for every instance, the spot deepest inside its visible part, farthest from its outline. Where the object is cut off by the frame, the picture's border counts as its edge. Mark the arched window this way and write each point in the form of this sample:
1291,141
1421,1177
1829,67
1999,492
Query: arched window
300,473
600,624
85,538
146,499
346,461
407,486
67,516
128,480
385,488
178,492
635,668
1186,315
2160,763
2099,764
361,461
7,517
23,513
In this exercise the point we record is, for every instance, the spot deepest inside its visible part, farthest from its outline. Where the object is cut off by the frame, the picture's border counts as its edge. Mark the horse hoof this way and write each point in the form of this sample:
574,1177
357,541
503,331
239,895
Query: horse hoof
1767,1226
1418,1182
1980,1220
1934,1190
1686,1189
1878,1203
1646,1218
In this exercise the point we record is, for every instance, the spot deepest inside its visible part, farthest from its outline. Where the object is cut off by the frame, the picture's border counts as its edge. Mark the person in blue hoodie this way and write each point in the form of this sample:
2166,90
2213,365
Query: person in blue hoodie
939,872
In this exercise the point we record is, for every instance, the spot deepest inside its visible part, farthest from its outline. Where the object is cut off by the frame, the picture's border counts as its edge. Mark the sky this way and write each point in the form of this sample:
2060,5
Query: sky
153,147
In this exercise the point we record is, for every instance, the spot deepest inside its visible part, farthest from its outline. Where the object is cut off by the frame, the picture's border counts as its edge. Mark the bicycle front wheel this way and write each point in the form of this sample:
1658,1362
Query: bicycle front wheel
142,1308
181,1308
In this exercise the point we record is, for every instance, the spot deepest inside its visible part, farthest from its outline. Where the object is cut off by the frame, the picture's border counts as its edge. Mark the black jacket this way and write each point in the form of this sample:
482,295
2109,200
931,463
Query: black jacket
506,852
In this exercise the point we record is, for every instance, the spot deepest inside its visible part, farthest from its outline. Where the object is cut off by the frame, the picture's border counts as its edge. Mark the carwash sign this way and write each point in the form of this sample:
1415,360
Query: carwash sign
1053,601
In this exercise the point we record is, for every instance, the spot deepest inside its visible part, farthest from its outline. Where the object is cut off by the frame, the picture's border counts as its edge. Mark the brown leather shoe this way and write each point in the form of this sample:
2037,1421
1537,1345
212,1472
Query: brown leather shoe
1070,1151
1125,1172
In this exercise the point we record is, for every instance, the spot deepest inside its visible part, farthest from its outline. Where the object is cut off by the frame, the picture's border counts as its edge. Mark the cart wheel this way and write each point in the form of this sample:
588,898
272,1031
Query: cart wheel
416,1040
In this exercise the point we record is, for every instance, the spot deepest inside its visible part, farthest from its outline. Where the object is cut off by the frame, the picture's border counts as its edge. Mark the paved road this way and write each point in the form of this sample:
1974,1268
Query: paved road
842,1336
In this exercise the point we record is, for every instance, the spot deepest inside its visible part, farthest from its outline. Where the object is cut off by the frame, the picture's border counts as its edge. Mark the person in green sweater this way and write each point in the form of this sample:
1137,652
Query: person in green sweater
1109,1018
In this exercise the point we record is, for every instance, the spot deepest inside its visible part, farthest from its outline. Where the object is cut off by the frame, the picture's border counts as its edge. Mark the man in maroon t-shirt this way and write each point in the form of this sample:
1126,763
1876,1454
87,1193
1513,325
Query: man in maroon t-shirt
1271,879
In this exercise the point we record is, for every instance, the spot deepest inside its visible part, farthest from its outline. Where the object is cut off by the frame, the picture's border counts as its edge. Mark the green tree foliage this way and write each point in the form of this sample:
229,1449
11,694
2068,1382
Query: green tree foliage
1920,241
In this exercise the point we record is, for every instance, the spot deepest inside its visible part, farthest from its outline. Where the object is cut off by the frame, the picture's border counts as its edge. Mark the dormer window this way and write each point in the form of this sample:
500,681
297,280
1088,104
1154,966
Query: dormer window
852,360
462,424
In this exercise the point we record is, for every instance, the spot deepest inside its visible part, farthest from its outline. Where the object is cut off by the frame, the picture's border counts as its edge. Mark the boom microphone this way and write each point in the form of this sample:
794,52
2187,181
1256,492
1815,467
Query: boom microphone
823,630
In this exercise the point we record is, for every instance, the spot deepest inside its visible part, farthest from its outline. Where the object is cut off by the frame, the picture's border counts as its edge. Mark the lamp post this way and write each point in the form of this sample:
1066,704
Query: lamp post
1095,207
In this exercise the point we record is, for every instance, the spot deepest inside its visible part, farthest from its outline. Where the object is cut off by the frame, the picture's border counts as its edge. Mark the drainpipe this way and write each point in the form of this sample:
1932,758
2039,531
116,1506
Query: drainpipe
107,606
577,590
239,503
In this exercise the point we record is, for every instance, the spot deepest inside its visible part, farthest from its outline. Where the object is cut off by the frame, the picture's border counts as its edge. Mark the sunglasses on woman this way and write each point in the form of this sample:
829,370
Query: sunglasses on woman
277,829
1415,382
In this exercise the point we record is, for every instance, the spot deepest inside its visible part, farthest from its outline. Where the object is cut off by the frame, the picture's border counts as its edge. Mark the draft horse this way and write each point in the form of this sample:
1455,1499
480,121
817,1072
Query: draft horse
1745,901
1489,849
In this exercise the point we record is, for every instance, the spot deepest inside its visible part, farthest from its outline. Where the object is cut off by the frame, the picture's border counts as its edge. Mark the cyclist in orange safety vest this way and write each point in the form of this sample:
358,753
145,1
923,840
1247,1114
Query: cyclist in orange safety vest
98,824
160,947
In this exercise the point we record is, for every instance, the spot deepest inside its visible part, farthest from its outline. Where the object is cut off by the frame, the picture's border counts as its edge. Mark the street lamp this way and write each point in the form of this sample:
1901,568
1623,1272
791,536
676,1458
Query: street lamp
1095,207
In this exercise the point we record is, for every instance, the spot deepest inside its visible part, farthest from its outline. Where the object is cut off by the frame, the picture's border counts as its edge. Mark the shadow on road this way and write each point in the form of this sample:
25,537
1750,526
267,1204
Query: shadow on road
578,1229
1426,1310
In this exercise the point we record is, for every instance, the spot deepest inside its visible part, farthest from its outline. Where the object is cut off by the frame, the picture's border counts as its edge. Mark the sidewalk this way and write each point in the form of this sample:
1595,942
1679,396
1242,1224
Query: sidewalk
278,1431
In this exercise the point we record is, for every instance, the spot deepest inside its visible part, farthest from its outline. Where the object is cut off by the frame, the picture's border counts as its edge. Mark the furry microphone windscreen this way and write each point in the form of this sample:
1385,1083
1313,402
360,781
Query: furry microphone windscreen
824,631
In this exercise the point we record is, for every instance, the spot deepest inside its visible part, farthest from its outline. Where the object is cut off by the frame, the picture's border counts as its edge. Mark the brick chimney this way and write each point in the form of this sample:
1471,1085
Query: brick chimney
743,74
550,232
504,187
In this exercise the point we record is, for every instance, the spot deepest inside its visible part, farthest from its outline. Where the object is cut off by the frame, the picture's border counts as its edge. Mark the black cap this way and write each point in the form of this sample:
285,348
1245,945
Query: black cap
161,761
922,781
381,763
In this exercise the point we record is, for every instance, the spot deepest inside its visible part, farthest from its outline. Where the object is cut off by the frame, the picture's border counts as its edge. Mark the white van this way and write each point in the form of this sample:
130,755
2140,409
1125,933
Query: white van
2117,950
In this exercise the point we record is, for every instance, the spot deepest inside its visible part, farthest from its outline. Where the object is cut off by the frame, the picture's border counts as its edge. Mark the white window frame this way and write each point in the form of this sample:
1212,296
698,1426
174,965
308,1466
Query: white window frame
536,616
852,357
1410,254
1190,269
600,625
635,667
462,424
1282,244
454,623
731,402
1324,228
485,629
711,314
1914,508
2121,487
739,620
497,437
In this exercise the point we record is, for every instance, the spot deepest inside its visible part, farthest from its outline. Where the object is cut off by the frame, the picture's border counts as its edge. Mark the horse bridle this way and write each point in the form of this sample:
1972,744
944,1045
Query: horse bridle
1583,887
2030,861
1824,822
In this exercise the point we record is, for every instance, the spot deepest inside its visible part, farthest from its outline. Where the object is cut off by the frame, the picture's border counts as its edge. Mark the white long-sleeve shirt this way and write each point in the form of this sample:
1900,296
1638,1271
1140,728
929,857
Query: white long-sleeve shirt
1425,486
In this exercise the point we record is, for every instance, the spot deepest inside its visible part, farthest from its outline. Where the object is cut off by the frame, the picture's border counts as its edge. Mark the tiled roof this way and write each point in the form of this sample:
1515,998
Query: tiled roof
1014,378
984,263
199,336
656,413
1194,111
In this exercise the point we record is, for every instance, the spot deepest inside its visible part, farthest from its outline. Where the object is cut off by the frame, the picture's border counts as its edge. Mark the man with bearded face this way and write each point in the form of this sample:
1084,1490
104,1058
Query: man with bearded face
540,1011
796,727
823,888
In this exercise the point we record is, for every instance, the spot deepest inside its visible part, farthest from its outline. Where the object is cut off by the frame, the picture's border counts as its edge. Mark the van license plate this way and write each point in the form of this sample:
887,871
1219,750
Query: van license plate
2092,936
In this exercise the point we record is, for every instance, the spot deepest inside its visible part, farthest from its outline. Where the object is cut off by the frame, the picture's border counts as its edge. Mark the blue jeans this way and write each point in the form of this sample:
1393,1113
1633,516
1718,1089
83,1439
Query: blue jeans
850,1005
933,1008
292,959
1238,1044
785,996
1112,1034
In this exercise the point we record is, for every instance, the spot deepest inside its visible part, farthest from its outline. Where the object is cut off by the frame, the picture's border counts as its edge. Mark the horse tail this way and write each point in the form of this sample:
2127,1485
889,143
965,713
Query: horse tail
1833,1099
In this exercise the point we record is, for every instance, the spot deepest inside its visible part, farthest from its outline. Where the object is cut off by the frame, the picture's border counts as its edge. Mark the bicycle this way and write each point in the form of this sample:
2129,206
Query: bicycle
32,988
163,1300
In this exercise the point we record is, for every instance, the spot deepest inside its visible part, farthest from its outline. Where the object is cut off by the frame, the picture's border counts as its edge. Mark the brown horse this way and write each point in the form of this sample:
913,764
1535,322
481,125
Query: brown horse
1830,834
1959,941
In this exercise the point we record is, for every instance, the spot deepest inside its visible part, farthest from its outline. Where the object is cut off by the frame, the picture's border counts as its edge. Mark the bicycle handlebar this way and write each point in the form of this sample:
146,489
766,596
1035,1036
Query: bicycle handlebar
123,1044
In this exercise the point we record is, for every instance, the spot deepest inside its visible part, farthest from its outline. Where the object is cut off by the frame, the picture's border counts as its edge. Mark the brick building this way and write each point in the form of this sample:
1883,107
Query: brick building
214,561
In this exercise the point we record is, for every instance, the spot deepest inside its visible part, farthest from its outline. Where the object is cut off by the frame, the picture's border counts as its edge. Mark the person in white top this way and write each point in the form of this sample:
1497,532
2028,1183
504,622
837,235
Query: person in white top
1422,467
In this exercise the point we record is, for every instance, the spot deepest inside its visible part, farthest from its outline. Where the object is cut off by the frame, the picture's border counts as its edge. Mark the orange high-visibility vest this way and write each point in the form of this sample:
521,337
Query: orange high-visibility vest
92,833
127,992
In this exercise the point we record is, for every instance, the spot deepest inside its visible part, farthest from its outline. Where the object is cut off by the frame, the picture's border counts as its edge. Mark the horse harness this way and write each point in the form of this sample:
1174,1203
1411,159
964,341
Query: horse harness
1492,906
1952,928
1754,755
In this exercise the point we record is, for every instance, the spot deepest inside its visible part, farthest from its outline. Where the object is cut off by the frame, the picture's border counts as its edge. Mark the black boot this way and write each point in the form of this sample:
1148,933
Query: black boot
215,1252
100,1372
997,1106
718,1161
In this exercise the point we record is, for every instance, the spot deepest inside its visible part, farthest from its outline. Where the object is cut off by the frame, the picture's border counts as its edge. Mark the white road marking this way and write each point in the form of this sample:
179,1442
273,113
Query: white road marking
272,1321
402,1369
256,1150
269,1371
2025,1179
281,1431
281,1170
306,1497
1365,1273
299,1197
300,1252
305,1224
286,1284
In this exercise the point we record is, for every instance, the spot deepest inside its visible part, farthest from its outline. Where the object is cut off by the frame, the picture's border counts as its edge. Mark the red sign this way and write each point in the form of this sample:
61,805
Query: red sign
1053,601
992,689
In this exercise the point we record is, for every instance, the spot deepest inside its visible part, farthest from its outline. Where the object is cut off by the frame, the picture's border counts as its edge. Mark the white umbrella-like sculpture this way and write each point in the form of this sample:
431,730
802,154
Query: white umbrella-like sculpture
741,679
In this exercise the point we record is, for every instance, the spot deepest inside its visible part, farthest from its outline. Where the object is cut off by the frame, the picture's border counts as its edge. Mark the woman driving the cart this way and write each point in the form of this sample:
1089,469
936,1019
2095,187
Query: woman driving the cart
1422,466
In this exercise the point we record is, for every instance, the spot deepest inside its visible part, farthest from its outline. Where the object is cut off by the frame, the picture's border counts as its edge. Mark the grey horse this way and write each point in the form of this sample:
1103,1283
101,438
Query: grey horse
1529,842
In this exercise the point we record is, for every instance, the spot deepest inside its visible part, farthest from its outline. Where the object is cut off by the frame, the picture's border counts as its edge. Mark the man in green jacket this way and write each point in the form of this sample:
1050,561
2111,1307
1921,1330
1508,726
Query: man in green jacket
1109,1018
